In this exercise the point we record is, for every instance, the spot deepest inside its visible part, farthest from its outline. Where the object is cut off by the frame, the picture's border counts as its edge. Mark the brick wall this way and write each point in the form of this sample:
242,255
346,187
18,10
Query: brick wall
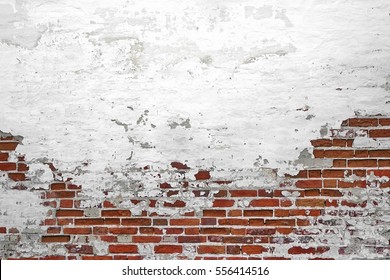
337,209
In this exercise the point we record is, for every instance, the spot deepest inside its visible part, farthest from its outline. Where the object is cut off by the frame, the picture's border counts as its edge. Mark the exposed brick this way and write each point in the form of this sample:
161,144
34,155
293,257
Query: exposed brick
4,156
58,186
310,202
313,184
202,175
214,213
168,249
215,230
17,176
7,166
243,193
130,249
55,238
379,133
116,213
137,222
265,202
69,213
379,153
192,239
184,222
322,143
206,249
8,145
338,153
258,213
179,165
223,203
363,122
146,239
77,231
253,249
362,163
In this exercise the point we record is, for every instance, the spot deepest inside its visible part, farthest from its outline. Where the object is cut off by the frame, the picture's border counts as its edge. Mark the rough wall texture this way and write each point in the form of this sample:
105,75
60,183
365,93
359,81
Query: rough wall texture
108,94
337,209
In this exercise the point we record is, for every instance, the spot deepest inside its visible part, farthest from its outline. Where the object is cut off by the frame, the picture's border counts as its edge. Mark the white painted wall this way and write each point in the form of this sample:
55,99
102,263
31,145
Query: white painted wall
103,86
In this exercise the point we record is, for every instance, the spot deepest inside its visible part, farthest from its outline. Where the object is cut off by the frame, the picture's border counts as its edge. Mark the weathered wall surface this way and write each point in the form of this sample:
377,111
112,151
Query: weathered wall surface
109,94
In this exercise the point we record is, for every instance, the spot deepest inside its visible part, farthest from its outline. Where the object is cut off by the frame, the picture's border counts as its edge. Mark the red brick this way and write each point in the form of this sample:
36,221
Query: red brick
177,203
362,163
66,203
191,231
97,257
130,249
168,249
310,202
223,203
333,193
261,231
312,192
280,222
100,230
384,121
172,230
264,202
22,167
342,142
137,222
7,166
256,222
363,122
333,173
313,184
339,163
233,250
179,165
69,213
314,173
57,186
214,213
123,230
147,239
235,213
53,230
160,222
241,222
192,239
379,133
17,176
215,230
4,156
76,231
338,154
8,145
384,163
299,250
253,249
282,213
208,221
206,249
318,153
322,143
243,193
258,213
116,213
184,222
379,153
361,154
55,238
202,175
60,194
